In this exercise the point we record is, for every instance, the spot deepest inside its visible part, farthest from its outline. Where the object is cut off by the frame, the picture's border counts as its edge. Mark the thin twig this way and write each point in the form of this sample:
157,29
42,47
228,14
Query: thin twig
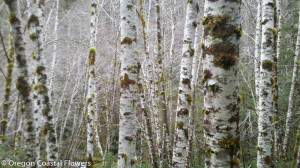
2,73
3,45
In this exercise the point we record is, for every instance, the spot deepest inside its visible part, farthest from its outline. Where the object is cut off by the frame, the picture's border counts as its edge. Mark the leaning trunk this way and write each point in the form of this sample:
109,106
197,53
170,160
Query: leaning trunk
292,94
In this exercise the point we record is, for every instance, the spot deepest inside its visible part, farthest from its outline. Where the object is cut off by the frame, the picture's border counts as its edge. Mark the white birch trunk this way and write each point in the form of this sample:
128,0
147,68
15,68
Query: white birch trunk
265,106
7,86
292,94
185,93
91,91
222,31
128,84
145,108
42,105
54,49
275,84
23,85
257,52
193,89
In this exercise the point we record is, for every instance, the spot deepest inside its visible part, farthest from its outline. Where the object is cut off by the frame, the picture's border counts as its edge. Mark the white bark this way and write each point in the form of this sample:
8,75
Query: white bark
195,68
54,48
222,31
185,93
257,52
265,107
91,92
145,108
23,85
292,94
128,84
275,84
7,87
42,105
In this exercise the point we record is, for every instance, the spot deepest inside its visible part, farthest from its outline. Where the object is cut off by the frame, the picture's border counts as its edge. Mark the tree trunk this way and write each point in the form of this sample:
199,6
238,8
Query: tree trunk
193,89
91,92
145,108
160,98
185,93
257,53
296,149
292,94
22,84
7,86
42,105
220,79
54,49
276,121
265,107
128,84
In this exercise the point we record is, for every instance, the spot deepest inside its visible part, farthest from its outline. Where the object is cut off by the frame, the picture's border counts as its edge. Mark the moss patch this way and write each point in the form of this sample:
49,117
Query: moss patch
33,36
179,124
125,81
268,65
188,98
32,19
92,56
126,40
223,53
227,142
218,27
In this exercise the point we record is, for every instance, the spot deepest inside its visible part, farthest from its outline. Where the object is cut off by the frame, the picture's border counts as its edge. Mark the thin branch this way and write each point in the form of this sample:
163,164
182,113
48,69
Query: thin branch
3,45
2,73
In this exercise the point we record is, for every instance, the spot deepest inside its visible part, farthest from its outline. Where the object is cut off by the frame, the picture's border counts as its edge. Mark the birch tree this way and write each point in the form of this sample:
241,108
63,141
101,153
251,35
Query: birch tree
141,91
91,92
7,86
160,98
220,79
23,84
257,52
275,86
288,123
265,107
128,84
185,93
42,105
195,67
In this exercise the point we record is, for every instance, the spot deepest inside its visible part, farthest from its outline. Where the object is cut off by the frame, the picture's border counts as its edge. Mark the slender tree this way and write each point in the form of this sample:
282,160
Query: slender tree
276,121
265,107
23,84
288,123
257,52
128,84
160,98
7,86
185,92
193,88
220,79
141,91
42,105
91,92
